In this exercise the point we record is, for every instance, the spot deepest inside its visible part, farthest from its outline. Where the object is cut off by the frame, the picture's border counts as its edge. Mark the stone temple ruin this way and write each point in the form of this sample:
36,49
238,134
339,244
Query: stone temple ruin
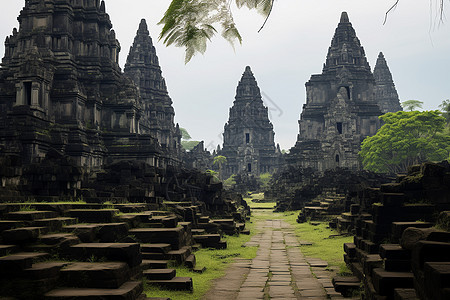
341,108
248,139
97,194
61,87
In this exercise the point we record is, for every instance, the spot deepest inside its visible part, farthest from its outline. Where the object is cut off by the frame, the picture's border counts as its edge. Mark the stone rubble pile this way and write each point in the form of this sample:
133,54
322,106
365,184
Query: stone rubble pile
398,252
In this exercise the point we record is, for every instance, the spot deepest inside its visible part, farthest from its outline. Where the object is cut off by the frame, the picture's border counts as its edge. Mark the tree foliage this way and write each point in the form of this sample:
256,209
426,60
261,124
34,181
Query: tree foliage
189,145
192,23
220,160
185,134
412,104
445,108
405,139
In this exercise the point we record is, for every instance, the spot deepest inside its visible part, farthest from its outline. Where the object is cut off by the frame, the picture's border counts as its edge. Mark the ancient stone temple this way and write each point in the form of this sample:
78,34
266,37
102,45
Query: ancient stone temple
340,109
248,136
385,91
143,67
61,88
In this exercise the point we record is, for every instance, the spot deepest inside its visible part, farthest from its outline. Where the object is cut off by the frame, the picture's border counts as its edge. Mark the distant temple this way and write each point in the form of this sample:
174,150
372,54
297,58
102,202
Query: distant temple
248,136
341,107
385,91
61,88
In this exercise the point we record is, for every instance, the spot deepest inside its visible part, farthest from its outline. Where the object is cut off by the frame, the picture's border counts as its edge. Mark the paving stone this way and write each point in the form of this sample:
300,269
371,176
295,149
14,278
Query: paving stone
159,274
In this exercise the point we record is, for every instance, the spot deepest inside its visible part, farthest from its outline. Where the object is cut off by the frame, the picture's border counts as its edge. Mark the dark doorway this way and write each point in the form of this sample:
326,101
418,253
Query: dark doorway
339,127
247,138
249,168
27,87
337,158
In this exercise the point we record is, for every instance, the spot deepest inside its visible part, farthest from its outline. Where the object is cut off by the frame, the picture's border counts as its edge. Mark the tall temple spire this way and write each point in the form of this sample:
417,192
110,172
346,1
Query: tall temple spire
248,141
345,49
143,68
385,91
247,88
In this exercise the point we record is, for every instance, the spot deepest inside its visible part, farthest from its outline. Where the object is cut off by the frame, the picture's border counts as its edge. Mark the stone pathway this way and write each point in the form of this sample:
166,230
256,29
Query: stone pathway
278,272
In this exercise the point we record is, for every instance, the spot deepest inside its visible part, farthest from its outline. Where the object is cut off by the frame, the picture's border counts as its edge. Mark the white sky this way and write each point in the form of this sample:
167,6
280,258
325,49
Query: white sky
291,48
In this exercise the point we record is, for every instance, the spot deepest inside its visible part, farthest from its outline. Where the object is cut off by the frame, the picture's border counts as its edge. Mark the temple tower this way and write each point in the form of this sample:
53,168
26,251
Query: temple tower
340,109
385,91
143,68
61,87
248,136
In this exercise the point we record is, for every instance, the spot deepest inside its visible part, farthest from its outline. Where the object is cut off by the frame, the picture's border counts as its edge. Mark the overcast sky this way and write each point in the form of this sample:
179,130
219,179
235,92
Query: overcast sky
291,48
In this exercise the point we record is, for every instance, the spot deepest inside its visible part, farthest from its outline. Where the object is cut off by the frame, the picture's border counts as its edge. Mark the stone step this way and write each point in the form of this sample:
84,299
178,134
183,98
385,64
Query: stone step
155,248
350,249
346,285
180,256
190,262
160,274
385,282
154,264
437,278
59,239
172,236
93,216
9,224
112,232
43,270
31,215
8,250
123,252
104,275
399,227
175,284
206,239
154,256
405,294
16,263
131,207
128,291
132,220
394,251
23,235
87,233
54,224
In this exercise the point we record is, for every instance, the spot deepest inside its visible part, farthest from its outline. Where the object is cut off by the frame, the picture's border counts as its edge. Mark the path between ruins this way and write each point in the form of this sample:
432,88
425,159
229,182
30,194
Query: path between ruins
279,270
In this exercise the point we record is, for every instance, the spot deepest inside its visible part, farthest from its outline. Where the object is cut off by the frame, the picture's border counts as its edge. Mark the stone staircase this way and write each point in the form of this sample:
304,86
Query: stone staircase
323,207
102,251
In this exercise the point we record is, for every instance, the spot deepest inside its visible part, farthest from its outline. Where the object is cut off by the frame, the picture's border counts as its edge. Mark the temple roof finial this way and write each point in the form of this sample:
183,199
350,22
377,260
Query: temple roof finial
344,18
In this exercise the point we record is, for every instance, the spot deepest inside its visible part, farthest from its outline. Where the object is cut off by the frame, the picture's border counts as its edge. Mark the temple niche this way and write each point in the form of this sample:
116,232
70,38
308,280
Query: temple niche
143,68
61,88
248,136
341,108
385,91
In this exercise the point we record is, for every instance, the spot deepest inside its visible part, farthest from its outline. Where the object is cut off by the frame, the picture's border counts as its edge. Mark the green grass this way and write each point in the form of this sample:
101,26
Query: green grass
260,196
215,261
329,249
324,245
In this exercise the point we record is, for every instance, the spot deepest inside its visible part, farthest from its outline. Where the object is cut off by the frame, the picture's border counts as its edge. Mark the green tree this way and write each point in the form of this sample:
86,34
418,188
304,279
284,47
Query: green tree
185,134
412,104
220,160
445,108
192,23
405,139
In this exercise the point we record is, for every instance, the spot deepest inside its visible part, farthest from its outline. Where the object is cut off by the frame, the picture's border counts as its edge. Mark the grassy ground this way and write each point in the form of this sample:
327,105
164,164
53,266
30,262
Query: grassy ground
258,205
325,244
215,261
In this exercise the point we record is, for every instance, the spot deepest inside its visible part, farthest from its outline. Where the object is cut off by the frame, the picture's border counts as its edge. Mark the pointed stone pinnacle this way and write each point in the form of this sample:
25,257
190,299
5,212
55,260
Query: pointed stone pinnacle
344,18
143,28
